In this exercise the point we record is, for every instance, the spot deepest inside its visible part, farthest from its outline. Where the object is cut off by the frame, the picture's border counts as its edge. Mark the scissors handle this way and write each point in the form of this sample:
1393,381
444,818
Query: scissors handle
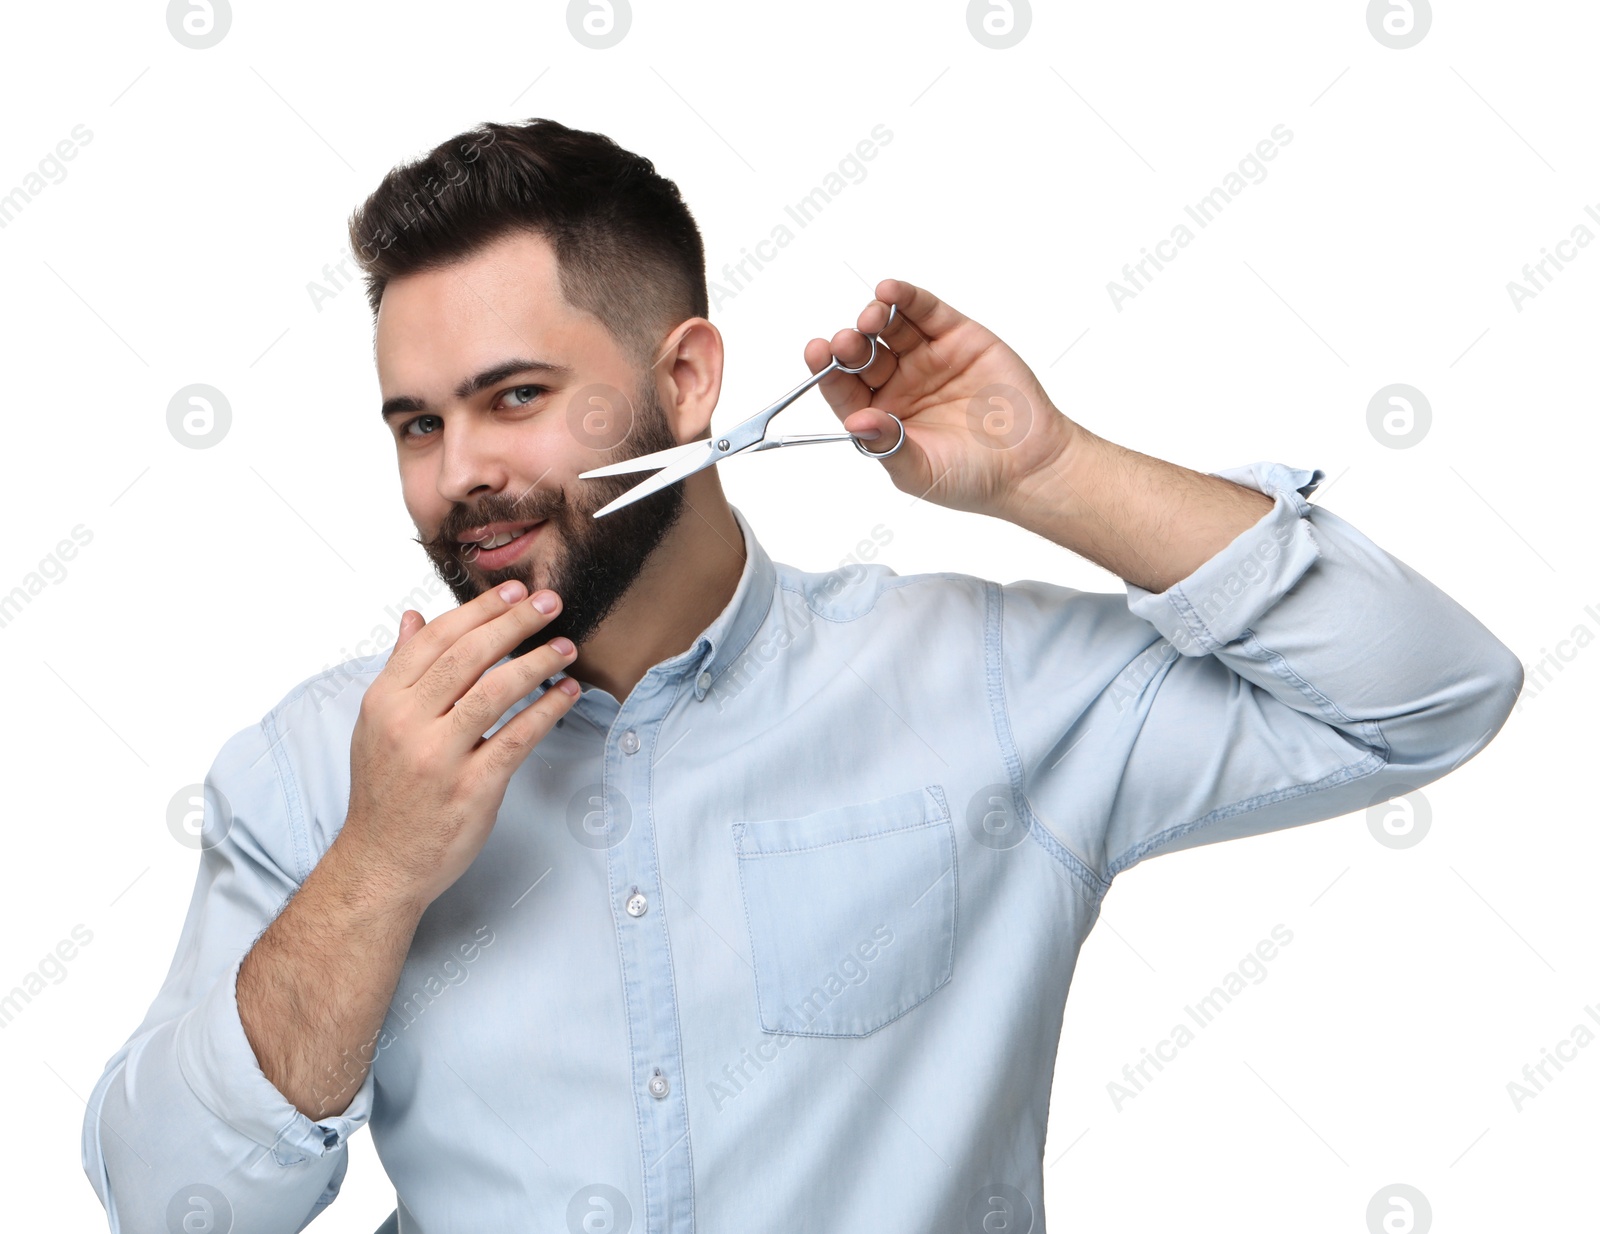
874,339
811,439
749,433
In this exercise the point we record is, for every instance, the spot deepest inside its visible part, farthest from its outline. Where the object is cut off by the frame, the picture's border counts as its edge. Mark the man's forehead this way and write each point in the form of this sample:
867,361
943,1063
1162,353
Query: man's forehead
502,300
510,280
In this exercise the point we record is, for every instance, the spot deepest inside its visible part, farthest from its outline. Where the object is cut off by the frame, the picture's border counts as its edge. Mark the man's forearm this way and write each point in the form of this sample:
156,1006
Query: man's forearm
1147,521
315,988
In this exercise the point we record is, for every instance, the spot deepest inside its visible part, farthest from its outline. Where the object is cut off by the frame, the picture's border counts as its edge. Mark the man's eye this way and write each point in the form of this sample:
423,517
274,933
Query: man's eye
522,395
411,424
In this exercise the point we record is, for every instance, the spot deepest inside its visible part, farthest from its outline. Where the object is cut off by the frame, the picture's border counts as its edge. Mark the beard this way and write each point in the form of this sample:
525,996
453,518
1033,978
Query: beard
591,562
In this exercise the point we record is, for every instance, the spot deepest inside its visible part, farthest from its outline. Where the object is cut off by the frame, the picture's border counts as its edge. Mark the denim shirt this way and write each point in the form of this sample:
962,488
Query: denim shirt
782,941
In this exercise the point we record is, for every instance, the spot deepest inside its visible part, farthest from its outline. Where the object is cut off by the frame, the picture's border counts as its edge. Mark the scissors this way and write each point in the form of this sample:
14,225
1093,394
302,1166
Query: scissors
746,437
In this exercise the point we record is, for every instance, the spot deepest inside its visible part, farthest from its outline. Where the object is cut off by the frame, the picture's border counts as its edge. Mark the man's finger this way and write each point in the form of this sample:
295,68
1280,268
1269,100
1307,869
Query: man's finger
476,711
410,622
876,419
407,664
854,348
845,392
918,307
460,666
513,741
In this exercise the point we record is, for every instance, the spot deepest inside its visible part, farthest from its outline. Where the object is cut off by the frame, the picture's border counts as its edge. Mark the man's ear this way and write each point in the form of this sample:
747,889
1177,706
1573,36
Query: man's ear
688,377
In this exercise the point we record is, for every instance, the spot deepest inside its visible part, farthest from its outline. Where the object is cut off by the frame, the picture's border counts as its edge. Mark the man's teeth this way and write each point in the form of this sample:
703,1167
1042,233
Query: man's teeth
505,537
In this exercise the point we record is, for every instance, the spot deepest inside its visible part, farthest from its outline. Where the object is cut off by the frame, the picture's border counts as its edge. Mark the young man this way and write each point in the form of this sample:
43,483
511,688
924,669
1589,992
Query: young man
660,886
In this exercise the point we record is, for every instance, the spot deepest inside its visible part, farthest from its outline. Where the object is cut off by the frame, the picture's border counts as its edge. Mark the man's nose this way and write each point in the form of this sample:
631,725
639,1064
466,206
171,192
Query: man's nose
471,462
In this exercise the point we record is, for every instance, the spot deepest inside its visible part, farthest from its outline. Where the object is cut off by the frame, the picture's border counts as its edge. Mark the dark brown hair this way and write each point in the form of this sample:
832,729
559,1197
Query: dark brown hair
626,245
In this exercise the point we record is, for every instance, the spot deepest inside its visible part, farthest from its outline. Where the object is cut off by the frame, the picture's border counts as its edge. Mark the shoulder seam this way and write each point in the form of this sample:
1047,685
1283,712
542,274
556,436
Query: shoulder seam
289,786
1088,879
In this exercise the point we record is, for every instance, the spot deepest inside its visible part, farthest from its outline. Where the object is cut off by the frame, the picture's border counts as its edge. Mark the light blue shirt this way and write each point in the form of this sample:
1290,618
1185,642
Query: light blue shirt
783,940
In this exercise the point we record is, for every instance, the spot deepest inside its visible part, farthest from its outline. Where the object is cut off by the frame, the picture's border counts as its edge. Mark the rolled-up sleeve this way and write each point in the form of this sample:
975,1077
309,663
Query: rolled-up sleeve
1298,674
183,1113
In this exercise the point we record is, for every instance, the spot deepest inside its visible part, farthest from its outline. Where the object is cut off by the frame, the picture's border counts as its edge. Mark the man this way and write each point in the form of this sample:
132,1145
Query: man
660,886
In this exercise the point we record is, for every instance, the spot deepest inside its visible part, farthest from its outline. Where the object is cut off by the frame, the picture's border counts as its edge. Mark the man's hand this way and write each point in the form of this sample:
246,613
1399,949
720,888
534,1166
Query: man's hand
980,430
982,436
425,784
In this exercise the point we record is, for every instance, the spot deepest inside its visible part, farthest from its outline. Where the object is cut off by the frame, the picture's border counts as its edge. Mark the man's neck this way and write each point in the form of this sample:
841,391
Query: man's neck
685,585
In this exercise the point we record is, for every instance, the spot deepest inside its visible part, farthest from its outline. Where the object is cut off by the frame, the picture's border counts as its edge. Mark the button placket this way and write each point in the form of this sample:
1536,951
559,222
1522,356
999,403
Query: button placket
650,997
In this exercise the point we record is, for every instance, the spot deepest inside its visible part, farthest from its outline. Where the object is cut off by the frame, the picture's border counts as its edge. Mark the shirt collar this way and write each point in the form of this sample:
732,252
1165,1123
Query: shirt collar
722,641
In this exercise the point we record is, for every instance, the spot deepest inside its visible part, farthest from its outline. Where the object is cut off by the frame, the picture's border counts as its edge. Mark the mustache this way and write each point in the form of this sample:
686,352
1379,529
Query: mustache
532,508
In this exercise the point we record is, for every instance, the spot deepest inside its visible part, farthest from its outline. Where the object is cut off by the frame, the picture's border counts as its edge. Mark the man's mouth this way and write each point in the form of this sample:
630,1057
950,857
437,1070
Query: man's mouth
498,544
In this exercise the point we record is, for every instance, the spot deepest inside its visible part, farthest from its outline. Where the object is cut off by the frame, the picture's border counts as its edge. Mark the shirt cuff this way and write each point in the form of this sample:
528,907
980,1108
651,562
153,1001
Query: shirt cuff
220,1065
1231,590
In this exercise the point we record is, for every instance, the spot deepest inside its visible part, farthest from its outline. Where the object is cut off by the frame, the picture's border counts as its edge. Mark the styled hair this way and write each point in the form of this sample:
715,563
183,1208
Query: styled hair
627,248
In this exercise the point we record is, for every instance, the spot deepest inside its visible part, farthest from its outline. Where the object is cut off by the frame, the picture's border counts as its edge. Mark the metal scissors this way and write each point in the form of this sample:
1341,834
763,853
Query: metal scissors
746,437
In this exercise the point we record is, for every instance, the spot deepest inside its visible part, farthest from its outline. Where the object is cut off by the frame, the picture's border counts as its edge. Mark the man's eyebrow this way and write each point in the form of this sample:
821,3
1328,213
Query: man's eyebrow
490,376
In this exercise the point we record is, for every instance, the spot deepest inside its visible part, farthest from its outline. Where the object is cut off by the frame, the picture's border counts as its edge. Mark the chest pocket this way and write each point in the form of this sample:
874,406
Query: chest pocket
851,912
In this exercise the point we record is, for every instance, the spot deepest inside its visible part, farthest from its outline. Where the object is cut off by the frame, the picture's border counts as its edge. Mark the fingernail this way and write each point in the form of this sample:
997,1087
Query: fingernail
871,434
545,601
561,646
567,686
511,592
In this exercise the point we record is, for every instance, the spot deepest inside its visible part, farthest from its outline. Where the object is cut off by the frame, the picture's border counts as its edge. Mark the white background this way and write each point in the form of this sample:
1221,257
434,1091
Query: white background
178,249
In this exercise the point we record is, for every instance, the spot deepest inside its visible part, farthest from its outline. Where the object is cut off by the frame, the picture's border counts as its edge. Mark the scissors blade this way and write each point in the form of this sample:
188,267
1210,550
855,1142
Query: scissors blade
648,462
686,465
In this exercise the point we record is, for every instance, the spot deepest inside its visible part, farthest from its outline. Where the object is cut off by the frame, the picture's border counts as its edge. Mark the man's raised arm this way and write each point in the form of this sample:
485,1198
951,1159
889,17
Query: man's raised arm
1270,665
1294,673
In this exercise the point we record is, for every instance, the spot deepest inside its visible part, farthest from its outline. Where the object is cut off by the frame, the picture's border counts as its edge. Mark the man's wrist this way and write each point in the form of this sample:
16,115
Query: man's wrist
1147,521
1053,495
364,884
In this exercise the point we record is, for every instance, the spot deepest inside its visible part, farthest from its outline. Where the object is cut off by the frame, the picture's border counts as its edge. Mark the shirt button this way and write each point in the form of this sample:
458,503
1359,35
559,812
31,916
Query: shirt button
658,1085
703,681
637,904
630,742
